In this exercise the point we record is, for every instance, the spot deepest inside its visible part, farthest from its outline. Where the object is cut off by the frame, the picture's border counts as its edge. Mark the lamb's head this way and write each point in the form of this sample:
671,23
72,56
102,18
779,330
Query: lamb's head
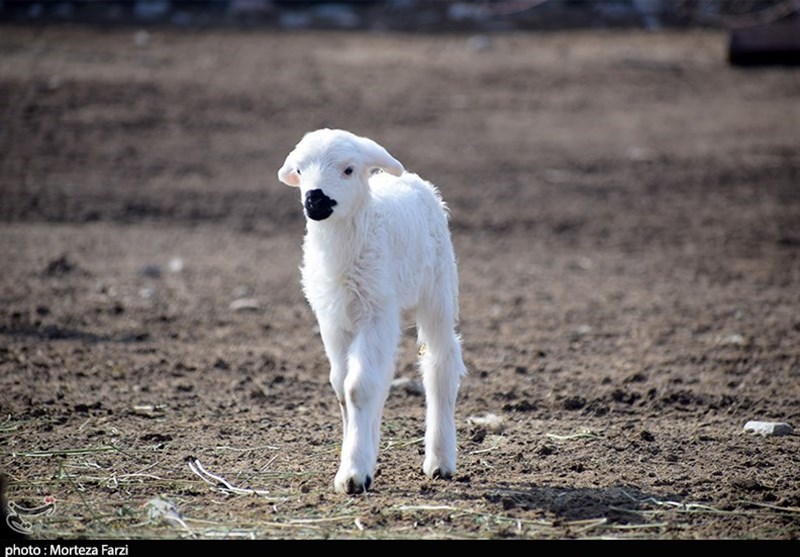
332,170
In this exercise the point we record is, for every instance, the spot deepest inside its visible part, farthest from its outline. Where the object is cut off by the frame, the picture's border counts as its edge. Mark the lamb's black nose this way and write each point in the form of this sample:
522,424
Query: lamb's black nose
318,205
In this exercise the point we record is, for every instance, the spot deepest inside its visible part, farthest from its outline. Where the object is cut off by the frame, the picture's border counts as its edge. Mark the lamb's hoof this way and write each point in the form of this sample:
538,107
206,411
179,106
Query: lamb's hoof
353,486
438,474
436,469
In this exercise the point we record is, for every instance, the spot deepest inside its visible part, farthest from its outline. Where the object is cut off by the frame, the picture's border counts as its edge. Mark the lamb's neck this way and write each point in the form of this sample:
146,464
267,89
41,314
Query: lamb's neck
339,243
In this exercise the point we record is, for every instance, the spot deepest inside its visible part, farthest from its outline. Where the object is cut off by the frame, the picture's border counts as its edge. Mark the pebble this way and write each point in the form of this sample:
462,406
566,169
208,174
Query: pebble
641,154
161,509
242,292
150,271
733,340
147,293
769,428
141,38
410,386
479,43
176,265
245,304
490,422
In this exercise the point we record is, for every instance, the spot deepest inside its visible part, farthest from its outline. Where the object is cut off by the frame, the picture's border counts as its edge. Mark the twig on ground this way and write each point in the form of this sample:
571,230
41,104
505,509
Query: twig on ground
319,519
245,449
227,534
7,427
221,483
397,444
479,451
676,506
470,512
580,434
70,452
773,507
587,524
638,526
64,474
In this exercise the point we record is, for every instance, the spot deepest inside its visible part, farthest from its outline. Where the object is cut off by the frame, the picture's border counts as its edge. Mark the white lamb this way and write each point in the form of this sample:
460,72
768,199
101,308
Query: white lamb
377,243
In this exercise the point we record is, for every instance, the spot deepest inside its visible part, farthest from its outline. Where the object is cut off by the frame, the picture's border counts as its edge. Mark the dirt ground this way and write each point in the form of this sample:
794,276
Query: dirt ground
626,214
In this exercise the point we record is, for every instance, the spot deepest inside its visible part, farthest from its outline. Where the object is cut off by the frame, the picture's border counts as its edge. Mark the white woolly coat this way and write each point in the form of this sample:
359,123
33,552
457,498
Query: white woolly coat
387,256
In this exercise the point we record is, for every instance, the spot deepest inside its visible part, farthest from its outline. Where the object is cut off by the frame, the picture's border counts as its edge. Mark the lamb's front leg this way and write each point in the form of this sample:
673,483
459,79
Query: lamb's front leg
370,365
337,342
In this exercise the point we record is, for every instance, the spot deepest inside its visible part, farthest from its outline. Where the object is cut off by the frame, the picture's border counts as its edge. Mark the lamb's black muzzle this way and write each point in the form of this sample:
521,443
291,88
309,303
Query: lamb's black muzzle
318,205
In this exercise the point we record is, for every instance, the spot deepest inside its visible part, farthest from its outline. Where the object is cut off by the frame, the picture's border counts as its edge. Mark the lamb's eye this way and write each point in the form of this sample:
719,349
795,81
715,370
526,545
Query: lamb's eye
348,171
298,171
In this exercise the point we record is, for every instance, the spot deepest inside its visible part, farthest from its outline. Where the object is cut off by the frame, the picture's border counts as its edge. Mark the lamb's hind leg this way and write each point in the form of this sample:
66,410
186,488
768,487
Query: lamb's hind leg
442,368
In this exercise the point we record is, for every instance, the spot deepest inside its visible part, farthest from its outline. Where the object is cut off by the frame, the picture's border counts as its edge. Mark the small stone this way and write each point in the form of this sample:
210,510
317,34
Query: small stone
141,38
585,264
557,176
147,293
160,509
769,428
410,386
150,271
175,265
245,304
641,154
733,340
242,292
479,43
490,422
148,411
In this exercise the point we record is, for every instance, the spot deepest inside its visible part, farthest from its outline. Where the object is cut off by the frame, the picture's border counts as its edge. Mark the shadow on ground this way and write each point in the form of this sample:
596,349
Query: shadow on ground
617,504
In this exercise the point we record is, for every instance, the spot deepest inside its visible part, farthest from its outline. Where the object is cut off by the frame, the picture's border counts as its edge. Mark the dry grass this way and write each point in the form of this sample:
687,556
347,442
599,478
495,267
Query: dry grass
112,492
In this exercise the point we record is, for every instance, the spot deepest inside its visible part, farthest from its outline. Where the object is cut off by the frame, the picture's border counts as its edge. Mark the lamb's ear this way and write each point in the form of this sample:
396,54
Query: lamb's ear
376,156
288,173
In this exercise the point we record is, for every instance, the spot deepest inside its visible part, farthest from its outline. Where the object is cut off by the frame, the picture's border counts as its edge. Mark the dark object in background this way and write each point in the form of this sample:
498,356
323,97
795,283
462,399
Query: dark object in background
776,43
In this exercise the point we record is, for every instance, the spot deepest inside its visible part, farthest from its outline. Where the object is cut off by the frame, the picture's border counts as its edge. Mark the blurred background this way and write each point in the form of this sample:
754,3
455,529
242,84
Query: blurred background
623,184
408,14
